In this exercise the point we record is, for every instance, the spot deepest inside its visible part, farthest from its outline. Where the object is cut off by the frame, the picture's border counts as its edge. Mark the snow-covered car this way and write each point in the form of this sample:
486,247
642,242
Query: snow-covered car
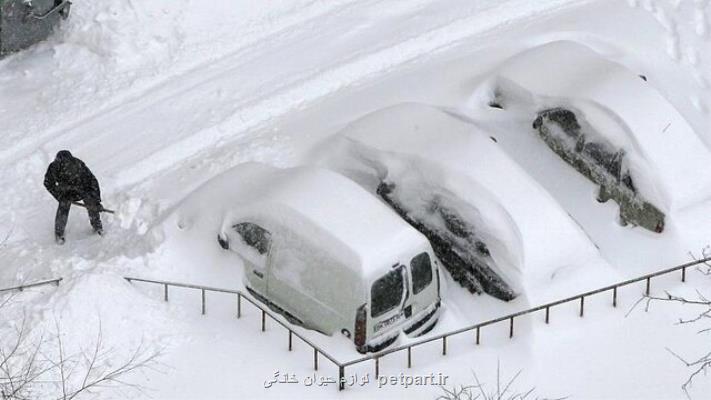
607,122
329,256
438,174
599,161
24,23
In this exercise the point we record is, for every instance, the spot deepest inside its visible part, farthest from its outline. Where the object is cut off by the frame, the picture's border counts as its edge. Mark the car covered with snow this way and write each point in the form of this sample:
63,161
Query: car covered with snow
601,162
329,256
439,174
24,22
610,124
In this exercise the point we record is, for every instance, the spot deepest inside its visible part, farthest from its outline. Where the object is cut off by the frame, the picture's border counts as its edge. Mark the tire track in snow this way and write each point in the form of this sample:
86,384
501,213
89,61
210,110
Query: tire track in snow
133,95
331,81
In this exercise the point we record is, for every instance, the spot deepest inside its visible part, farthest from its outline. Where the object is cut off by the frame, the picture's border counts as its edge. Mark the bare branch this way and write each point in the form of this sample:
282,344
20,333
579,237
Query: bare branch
501,391
702,304
27,371
7,237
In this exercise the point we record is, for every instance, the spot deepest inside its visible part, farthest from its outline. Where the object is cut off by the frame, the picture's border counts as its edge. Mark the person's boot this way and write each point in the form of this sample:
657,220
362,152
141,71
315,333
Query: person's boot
59,239
94,210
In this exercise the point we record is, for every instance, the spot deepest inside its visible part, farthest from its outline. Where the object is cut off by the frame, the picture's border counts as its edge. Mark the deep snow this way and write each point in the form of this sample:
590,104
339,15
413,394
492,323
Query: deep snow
158,97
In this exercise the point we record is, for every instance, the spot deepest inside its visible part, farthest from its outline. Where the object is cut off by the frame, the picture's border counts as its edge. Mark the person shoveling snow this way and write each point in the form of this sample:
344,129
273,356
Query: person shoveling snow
70,181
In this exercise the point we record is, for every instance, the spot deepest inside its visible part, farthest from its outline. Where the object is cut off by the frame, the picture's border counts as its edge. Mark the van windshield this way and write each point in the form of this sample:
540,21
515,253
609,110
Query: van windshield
421,272
386,293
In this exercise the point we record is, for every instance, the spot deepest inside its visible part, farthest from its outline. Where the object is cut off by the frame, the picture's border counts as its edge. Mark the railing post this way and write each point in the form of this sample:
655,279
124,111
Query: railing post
165,292
683,274
264,321
648,285
548,314
377,367
511,328
444,345
614,296
203,301
290,333
409,357
239,305
478,335
582,306
341,378
315,360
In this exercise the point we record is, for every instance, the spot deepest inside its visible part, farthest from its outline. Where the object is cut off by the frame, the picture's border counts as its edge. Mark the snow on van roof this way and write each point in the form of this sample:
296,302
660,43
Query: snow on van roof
345,216
347,212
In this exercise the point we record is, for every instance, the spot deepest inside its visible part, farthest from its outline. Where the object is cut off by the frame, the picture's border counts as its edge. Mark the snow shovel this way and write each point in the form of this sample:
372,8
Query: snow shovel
76,203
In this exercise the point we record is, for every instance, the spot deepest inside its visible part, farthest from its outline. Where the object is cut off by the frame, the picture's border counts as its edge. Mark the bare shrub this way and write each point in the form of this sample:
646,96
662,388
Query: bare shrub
36,366
701,318
502,390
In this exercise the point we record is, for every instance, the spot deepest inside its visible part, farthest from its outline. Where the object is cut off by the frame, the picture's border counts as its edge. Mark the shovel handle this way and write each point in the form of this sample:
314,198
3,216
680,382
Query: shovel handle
76,203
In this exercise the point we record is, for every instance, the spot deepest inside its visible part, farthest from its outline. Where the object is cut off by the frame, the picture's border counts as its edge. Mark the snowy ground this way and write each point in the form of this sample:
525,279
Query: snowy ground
157,97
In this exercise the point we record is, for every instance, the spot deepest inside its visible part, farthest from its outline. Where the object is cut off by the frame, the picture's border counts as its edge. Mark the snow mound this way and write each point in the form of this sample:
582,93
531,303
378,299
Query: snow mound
620,105
431,151
125,33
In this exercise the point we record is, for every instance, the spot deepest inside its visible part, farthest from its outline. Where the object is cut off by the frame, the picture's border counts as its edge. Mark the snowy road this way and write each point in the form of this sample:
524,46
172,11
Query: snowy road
223,101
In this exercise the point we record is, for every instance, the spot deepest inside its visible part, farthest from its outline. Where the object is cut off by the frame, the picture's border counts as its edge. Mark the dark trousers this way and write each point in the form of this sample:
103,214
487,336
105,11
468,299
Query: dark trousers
60,221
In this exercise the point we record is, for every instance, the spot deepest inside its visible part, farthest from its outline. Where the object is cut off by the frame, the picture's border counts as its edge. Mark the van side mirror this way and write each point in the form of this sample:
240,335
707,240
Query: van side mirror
223,241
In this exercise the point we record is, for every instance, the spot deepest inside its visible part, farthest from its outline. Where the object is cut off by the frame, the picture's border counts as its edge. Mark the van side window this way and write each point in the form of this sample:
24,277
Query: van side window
386,293
421,272
254,236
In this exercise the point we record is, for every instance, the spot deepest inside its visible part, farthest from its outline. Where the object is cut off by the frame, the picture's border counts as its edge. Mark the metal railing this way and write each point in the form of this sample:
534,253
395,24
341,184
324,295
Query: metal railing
476,328
31,285
511,317
240,295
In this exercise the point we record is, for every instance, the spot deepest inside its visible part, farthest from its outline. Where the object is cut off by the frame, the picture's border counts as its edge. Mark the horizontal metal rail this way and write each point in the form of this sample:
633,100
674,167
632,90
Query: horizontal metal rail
547,307
249,299
31,285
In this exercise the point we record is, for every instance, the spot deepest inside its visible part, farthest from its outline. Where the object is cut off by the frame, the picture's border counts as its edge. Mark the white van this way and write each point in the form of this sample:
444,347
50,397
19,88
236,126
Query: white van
331,257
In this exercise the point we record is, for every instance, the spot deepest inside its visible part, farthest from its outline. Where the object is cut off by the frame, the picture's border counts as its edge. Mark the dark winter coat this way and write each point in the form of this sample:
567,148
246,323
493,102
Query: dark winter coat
69,179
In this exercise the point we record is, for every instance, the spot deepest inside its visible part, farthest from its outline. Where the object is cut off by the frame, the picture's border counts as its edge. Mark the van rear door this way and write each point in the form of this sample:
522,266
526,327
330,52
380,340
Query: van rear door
388,295
424,284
